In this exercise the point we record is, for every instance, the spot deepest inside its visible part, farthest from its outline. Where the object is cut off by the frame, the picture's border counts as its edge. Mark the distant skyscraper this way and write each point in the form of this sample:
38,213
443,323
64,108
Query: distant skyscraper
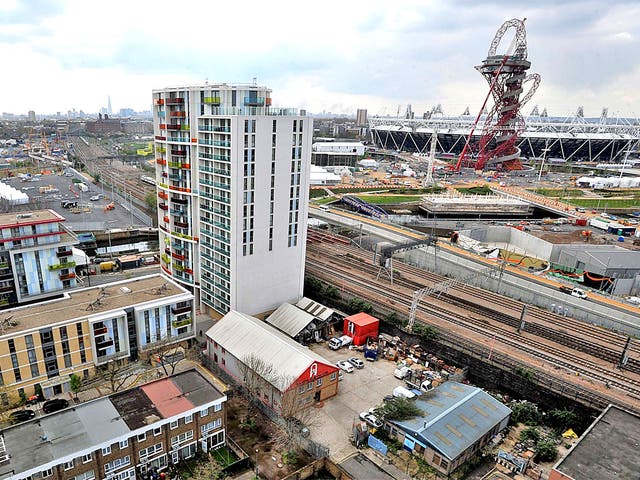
233,182
32,116
109,104
361,117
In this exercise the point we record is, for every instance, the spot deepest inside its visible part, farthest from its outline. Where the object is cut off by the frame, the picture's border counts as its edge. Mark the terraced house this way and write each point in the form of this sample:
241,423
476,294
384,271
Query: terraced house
121,436
43,344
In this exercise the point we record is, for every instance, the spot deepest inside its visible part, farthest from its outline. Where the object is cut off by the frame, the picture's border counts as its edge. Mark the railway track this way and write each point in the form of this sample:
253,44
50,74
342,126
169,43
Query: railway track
591,339
399,298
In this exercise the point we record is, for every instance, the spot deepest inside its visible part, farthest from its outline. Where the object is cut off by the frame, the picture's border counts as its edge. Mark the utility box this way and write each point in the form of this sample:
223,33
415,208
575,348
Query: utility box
361,326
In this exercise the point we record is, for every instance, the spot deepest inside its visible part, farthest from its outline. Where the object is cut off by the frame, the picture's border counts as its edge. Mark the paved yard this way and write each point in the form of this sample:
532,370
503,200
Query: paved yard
358,391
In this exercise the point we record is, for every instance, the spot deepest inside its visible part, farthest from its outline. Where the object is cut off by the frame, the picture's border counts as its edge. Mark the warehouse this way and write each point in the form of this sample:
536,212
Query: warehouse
275,369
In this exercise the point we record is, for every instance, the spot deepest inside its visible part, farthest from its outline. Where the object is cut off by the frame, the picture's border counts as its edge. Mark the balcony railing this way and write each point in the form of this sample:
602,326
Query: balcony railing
254,101
181,224
161,161
160,137
178,256
159,101
179,151
59,266
163,195
64,253
180,201
67,276
181,323
165,258
163,126
172,126
163,206
174,101
182,309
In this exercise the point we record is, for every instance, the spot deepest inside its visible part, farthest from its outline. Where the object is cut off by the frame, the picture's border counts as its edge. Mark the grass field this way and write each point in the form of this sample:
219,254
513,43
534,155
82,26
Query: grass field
389,199
483,190
559,192
604,203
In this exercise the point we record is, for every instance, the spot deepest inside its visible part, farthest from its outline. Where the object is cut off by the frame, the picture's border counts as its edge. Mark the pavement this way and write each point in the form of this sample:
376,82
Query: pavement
358,391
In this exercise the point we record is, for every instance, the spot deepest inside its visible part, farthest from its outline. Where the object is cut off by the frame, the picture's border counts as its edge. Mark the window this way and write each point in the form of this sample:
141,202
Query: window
157,431
142,437
318,382
106,450
333,376
310,386
188,419
217,408
173,425
183,437
153,449
204,413
301,389
68,465
47,473
124,444
86,458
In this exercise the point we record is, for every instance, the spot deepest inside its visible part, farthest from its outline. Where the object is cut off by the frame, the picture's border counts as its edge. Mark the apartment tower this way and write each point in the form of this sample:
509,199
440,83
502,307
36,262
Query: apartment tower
233,180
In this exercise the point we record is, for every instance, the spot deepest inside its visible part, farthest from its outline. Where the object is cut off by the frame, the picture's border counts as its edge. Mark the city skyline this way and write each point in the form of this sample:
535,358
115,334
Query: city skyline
341,58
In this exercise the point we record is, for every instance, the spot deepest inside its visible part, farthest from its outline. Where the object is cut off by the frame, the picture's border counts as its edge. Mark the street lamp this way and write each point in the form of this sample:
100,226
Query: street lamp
257,470
109,233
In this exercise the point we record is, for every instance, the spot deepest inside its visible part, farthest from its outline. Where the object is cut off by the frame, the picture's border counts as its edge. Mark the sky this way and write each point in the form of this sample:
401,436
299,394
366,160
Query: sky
333,56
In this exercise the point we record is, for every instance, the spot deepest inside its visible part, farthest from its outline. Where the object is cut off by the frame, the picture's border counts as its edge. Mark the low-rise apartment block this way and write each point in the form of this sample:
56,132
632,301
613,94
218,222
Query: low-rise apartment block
121,436
36,260
43,344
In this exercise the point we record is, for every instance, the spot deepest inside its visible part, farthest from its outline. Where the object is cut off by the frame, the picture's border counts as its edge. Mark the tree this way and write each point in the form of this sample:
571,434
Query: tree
545,450
530,434
312,287
357,305
116,375
561,420
151,200
398,408
256,375
75,383
524,412
168,355
425,332
96,177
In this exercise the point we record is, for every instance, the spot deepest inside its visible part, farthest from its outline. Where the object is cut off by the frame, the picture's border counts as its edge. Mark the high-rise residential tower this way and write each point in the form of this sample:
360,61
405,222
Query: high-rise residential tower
233,179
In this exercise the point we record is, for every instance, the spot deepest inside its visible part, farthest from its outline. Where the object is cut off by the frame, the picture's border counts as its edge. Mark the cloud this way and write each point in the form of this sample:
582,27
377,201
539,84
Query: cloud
337,56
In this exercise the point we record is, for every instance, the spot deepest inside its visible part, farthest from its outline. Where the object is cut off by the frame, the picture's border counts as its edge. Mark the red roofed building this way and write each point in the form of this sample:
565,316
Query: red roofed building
361,326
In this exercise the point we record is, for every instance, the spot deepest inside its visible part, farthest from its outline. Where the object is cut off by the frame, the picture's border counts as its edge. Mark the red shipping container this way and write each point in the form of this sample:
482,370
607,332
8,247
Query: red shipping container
361,326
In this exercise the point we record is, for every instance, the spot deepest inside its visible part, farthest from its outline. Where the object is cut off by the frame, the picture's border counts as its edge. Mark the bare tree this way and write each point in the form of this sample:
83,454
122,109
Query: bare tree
168,354
116,375
256,374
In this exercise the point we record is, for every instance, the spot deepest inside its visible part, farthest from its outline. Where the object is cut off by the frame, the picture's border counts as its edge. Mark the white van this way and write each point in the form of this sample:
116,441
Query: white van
403,392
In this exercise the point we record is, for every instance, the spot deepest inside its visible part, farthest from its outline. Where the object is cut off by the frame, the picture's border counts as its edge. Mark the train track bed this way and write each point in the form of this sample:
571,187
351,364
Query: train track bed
582,360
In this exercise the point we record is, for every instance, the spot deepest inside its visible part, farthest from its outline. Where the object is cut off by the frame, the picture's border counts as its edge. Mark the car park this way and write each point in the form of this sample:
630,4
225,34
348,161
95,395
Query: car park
345,366
371,419
356,362
54,405
21,415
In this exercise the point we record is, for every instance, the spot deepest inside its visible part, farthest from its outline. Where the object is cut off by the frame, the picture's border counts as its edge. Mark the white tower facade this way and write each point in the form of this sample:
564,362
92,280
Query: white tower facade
233,184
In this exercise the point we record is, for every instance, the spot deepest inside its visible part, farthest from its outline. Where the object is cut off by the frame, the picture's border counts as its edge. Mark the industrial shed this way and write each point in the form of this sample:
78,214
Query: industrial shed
458,421
298,324
316,309
276,369
361,326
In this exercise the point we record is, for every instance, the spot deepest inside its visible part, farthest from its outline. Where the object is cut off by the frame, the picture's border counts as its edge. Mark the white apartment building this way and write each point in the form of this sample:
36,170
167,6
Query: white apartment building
233,182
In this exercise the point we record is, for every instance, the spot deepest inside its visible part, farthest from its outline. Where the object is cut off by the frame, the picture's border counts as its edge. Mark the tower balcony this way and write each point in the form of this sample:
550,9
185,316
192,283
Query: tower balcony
174,101
162,126
163,195
161,138
163,206
67,276
254,101
64,253
212,100
181,152
159,101
161,161
179,114
173,126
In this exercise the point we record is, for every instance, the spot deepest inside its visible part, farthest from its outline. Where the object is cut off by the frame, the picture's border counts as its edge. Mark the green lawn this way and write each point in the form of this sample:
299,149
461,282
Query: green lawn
604,203
389,199
559,192
483,190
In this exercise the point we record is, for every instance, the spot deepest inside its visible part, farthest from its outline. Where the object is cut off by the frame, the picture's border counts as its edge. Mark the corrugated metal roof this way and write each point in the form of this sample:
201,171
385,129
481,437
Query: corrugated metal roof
289,319
244,336
455,417
314,308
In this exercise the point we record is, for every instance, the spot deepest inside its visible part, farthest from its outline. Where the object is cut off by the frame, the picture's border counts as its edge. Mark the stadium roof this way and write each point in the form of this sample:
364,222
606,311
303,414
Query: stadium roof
455,417
244,337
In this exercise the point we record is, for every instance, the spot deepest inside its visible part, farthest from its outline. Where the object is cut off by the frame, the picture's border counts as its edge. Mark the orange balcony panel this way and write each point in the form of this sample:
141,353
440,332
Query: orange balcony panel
178,256
166,218
177,114
163,195
268,101
159,101
194,140
161,161
163,126
166,270
189,271
186,165
67,276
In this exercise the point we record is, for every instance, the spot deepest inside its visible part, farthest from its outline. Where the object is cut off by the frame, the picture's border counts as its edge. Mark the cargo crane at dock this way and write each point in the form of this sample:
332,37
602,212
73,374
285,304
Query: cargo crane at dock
506,75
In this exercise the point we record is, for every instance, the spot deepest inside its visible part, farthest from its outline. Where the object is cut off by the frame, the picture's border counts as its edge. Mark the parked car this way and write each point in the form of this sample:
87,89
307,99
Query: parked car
21,415
371,419
356,362
94,198
345,366
54,405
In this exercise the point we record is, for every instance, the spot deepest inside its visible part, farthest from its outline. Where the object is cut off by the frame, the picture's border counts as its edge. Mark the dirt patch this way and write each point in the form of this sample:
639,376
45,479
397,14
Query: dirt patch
258,436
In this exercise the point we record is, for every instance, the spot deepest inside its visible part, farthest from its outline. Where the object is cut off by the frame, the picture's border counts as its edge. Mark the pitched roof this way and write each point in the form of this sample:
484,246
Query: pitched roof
314,308
244,336
289,319
455,417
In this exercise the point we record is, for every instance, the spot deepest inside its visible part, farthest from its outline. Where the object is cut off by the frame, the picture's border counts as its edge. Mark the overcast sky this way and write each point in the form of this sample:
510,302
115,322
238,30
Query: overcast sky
328,55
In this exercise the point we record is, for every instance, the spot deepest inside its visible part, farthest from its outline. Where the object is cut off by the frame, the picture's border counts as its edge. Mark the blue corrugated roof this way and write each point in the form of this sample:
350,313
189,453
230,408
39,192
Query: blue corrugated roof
455,417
